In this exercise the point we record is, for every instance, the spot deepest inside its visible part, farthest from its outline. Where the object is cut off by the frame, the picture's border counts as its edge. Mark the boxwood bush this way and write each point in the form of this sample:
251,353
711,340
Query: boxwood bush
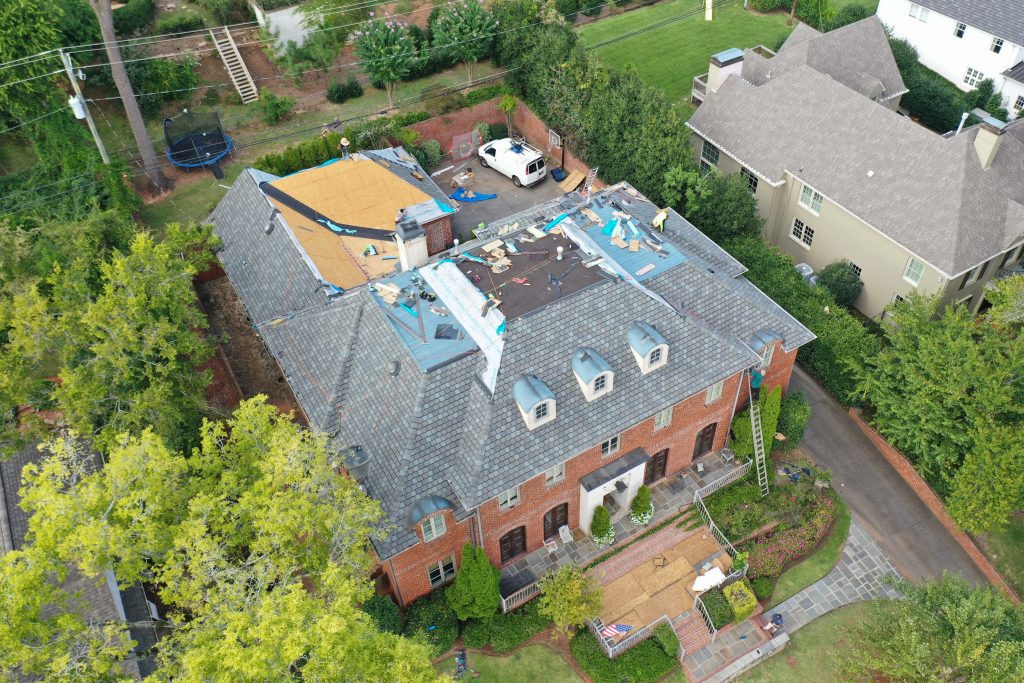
431,619
762,587
645,662
741,599
718,608
667,639
384,613
510,630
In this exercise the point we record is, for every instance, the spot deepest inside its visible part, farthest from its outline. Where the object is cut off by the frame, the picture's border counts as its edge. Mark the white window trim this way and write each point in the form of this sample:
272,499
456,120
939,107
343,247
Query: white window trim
973,82
810,207
906,271
555,475
659,417
974,274
799,240
614,443
1018,104
767,355
646,366
714,392
997,42
432,523
956,29
530,416
512,499
445,577
718,153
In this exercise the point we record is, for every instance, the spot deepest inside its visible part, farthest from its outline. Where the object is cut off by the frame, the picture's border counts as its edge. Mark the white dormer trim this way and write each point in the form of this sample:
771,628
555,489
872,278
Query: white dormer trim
546,408
535,401
655,358
602,385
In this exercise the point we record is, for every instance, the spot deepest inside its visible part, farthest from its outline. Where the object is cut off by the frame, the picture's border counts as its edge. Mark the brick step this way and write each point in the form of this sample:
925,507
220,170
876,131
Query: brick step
693,633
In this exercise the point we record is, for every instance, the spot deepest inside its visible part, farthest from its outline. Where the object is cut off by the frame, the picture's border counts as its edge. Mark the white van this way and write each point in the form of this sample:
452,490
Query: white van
521,162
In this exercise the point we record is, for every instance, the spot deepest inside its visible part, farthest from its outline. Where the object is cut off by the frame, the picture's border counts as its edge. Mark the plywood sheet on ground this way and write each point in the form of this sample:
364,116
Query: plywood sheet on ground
571,182
699,547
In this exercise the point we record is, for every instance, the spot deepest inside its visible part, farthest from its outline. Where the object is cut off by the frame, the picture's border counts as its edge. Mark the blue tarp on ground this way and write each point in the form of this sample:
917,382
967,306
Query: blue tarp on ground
460,195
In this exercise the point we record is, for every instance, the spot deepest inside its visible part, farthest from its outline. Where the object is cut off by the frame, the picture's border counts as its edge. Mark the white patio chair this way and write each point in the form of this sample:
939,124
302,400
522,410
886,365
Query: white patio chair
565,534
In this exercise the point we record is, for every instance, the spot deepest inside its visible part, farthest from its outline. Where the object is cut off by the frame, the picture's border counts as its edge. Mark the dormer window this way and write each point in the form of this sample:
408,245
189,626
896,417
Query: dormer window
649,347
536,402
593,373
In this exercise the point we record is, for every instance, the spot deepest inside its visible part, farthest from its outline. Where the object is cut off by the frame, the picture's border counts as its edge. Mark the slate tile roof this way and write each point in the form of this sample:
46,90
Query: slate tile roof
443,432
1001,18
856,55
1016,72
927,192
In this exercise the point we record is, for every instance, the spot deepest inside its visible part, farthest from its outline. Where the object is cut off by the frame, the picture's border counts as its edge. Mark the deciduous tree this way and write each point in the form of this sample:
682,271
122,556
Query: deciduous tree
1007,298
476,593
569,597
28,27
387,53
466,31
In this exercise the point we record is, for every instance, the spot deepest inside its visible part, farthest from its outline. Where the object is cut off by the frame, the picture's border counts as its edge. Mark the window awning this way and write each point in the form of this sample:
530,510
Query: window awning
615,469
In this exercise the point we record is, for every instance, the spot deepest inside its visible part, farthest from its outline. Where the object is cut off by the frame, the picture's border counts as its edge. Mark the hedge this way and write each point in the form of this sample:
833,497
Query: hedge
431,619
342,91
178,21
133,17
741,599
718,608
476,633
762,587
644,662
793,419
666,637
505,632
384,613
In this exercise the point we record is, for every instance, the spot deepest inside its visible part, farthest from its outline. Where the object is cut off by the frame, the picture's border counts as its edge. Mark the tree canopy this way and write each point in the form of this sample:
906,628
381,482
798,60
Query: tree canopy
387,53
840,278
28,27
569,597
721,206
254,542
476,593
465,30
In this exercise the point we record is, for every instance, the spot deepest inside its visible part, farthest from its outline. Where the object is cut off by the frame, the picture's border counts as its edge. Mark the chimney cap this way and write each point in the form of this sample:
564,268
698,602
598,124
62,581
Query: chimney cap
993,124
408,229
727,57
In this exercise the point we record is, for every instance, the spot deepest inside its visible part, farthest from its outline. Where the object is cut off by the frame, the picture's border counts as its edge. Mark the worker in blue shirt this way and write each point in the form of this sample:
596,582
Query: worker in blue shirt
756,378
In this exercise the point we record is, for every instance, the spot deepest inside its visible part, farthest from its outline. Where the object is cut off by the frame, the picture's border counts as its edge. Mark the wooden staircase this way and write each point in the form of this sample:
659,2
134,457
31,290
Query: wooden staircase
236,67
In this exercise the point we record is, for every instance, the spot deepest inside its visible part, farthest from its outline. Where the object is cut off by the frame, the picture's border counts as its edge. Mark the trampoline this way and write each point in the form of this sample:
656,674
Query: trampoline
197,140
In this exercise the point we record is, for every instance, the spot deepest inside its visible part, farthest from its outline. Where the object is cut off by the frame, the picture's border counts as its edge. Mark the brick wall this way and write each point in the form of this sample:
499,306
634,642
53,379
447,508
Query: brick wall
906,470
536,133
408,570
445,127
438,234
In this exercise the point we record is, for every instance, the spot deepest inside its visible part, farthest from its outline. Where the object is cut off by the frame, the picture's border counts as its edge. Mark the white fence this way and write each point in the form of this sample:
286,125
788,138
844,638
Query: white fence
613,650
520,597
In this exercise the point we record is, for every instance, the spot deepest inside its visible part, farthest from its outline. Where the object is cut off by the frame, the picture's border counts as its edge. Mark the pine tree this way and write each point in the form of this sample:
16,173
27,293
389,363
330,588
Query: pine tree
476,593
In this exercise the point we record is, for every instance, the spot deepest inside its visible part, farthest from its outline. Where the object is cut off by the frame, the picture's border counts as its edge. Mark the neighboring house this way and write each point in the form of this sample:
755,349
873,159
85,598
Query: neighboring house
500,391
837,176
965,41
856,55
284,22
98,599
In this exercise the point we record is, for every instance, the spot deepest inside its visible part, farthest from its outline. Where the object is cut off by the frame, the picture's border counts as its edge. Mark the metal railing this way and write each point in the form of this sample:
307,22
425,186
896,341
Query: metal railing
520,597
698,502
764,51
613,650
707,618
729,478
700,85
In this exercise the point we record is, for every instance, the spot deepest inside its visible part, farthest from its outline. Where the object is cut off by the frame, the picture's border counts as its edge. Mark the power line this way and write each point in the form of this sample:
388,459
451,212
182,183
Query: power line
21,125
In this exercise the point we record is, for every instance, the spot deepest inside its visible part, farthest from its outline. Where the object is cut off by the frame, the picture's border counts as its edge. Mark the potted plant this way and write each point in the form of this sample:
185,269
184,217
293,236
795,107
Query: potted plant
601,527
642,508
740,562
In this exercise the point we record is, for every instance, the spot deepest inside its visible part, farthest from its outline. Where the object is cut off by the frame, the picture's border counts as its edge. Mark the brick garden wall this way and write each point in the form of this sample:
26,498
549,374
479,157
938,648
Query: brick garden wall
536,133
906,470
445,127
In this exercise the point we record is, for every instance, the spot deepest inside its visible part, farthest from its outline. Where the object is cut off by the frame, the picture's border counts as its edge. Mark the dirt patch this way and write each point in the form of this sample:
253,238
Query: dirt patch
254,368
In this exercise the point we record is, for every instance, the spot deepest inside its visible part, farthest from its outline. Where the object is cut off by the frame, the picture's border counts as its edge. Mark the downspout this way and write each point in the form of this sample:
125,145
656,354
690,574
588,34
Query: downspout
394,582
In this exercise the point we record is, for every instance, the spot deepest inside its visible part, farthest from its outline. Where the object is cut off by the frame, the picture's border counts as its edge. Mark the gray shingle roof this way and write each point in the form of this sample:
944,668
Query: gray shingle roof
1002,18
927,192
856,55
442,433
1016,72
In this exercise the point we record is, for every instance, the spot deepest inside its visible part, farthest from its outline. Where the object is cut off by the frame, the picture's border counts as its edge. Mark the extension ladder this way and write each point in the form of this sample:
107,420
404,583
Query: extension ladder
760,460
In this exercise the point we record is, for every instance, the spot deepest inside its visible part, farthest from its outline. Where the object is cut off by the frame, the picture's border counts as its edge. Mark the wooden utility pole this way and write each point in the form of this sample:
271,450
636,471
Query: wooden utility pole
66,58
792,12
150,161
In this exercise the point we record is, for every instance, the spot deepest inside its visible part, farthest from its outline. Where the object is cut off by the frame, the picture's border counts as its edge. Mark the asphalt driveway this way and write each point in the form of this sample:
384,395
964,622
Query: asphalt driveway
906,530
510,199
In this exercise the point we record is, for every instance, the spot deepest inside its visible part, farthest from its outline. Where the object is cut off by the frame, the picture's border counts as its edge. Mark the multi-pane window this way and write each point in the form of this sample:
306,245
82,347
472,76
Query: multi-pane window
663,418
541,411
802,233
918,12
433,527
655,357
714,393
960,30
855,268
811,199
611,445
750,178
1019,103
969,277
509,499
555,474
709,153
897,299
914,271
997,45
973,77
600,382
441,572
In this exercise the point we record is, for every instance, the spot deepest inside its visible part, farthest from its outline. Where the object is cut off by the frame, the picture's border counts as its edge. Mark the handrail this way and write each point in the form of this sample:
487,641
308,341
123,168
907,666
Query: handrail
707,618
520,597
729,478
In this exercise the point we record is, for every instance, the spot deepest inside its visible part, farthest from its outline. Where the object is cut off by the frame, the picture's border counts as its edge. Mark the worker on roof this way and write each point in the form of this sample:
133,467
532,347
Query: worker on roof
659,220
756,378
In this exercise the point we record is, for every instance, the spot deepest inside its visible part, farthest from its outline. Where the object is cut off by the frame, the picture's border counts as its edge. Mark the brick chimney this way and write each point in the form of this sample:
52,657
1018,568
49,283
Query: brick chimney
988,140
722,65
412,244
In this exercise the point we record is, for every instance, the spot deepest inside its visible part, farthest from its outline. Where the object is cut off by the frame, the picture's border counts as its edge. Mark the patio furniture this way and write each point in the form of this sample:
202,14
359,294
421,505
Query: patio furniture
565,534
660,561
728,455
551,545
707,581
700,468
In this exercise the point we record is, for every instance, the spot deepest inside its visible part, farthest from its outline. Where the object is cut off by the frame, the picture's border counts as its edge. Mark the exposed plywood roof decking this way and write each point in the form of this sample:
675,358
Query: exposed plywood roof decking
356,191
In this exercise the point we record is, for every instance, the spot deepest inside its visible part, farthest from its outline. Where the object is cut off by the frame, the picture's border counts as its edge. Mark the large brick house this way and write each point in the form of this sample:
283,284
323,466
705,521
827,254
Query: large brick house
500,391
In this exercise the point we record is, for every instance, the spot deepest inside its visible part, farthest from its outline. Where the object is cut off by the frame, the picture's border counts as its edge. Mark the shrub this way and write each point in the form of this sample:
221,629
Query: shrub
793,419
644,662
568,8
484,129
475,592
743,436
718,608
210,98
165,79
384,613
741,599
500,130
342,91
231,11
666,637
762,587
769,5
601,527
770,556
133,16
842,280
431,619
848,14
740,562
438,100
476,632
641,509
275,108
178,21
431,154
569,597
488,92
510,630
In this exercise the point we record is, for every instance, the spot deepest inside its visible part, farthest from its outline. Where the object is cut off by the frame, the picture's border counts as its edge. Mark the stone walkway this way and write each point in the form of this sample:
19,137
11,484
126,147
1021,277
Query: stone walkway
857,576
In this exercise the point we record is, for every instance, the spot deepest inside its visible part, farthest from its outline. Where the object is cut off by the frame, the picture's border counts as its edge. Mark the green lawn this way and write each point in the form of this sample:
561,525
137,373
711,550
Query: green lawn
670,56
811,655
1006,549
191,200
532,663
817,565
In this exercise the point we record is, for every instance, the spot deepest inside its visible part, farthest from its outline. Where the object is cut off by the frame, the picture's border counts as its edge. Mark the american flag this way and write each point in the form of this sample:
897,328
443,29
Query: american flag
613,630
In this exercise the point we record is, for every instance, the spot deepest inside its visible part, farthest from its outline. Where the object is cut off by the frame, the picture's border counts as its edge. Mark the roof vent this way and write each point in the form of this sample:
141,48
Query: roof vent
394,368
357,462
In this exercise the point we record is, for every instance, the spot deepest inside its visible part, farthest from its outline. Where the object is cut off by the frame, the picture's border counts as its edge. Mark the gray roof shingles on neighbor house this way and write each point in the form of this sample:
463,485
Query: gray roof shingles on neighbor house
445,432
925,191
856,55
1001,18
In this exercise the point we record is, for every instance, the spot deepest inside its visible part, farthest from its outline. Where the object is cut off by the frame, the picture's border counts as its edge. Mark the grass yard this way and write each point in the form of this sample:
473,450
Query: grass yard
532,663
811,654
191,200
670,56
1006,550
817,565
